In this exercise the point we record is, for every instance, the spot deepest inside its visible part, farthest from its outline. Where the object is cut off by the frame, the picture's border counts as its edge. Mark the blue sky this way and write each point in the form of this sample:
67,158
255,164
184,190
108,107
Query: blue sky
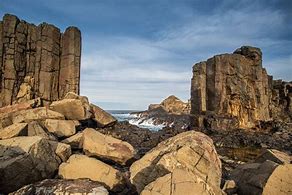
137,52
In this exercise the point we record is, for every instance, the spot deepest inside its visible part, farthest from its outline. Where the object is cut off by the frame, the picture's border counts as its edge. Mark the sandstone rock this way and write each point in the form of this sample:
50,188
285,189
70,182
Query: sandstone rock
75,141
172,105
63,151
275,156
81,166
179,182
35,129
280,181
36,114
233,85
61,128
263,178
42,53
72,109
63,187
191,151
14,130
102,118
21,106
84,100
237,86
229,187
106,147
25,92
25,160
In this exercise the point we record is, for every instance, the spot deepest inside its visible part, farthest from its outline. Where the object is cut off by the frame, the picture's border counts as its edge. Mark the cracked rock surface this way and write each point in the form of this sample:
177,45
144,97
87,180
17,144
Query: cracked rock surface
191,151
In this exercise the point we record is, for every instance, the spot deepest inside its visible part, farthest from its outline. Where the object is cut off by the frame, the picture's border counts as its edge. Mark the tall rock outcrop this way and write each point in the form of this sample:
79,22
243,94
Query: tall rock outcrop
237,87
38,60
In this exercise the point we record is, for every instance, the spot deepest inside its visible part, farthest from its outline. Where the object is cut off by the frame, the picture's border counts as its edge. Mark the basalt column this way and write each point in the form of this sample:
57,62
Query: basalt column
37,60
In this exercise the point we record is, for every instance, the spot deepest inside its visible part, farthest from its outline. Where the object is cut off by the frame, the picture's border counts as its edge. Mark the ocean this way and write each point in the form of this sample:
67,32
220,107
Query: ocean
125,115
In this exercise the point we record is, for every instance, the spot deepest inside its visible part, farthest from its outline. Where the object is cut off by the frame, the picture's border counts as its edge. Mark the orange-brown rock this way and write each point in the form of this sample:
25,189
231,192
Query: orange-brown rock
235,86
25,160
37,61
172,105
191,151
106,147
81,166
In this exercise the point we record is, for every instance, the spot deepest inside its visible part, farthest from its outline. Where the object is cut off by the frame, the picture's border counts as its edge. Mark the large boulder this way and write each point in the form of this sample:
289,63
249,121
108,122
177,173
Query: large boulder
275,156
62,128
180,182
75,141
191,151
263,178
102,117
35,128
63,151
28,115
81,166
20,106
62,187
25,160
106,147
41,113
14,130
72,109
84,100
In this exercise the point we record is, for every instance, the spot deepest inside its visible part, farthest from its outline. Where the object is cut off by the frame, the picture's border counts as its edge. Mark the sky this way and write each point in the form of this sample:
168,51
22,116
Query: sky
138,52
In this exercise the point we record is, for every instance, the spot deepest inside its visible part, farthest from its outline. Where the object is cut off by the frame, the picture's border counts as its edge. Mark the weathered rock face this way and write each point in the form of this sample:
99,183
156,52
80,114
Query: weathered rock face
25,160
236,86
233,85
81,166
37,61
180,182
106,147
191,151
62,187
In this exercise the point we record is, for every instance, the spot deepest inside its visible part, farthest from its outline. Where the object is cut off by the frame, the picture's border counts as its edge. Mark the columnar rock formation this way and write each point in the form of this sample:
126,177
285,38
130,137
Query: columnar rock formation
37,61
237,86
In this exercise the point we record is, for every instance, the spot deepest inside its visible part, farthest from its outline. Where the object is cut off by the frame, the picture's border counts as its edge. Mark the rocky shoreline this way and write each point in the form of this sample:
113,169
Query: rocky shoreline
232,137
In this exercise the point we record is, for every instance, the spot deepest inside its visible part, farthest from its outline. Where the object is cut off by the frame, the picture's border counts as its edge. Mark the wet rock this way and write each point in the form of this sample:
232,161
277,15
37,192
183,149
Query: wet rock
25,160
191,151
81,166
106,147
63,187
14,130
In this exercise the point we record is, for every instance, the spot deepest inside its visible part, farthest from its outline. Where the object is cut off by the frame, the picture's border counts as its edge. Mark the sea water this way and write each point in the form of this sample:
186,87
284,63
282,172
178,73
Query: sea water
134,119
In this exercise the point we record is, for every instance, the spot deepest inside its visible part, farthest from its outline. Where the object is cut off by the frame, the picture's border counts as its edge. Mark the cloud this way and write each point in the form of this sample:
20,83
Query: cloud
137,53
